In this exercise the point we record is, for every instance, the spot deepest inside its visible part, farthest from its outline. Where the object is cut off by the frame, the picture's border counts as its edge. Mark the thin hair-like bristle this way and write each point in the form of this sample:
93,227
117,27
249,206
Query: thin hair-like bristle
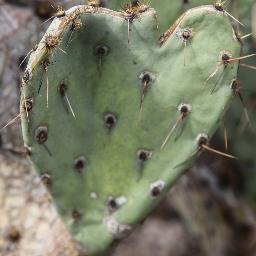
47,88
185,51
218,152
245,36
235,19
128,31
62,50
24,59
51,18
242,57
144,90
212,74
245,109
10,122
156,19
247,66
69,105
226,138
100,65
47,149
177,122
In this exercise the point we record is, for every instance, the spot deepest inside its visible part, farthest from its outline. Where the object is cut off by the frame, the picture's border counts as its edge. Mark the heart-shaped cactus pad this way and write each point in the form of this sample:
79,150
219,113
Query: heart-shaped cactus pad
112,115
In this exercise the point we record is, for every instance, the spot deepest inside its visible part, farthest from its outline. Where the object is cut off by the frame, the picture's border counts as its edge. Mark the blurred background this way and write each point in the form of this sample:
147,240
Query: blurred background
211,211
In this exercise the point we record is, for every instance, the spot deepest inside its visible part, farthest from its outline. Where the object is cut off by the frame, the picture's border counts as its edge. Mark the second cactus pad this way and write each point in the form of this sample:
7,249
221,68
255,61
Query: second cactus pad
112,115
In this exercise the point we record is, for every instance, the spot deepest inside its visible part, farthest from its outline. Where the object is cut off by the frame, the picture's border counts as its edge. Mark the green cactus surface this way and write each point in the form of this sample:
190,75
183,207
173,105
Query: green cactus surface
235,122
111,118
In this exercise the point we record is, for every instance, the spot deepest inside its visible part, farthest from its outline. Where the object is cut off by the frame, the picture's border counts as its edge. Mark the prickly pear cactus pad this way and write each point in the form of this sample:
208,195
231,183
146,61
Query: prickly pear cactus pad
112,118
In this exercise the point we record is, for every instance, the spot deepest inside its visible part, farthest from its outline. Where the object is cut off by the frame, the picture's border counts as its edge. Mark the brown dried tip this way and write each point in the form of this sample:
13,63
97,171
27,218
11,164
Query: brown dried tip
76,215
102,50
112,204
110,120
184,109
41,134
202,139
236,86
62,89
134,8
76,24
80,163
60,12
45,63
187,34
156,188
143,155
219,6
27,75
51,42
140,5
28,104
225,58
46,179
96,3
